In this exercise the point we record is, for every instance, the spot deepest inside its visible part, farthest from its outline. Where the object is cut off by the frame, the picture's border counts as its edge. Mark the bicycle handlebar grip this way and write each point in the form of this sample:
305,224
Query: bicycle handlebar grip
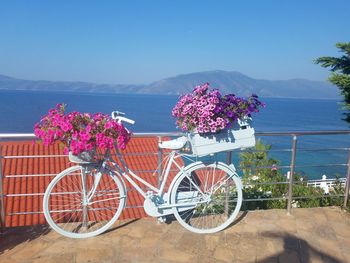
116,113
120,119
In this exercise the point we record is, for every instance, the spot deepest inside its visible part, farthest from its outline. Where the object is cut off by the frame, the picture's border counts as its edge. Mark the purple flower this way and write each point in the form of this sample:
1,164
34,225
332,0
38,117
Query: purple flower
199,109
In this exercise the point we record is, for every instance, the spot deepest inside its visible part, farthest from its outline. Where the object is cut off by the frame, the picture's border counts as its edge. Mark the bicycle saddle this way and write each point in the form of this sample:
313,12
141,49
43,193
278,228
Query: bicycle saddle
175,144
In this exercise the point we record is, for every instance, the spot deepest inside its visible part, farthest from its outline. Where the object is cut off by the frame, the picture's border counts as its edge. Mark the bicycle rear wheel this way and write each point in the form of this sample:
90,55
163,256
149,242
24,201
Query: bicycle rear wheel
207,198
68,208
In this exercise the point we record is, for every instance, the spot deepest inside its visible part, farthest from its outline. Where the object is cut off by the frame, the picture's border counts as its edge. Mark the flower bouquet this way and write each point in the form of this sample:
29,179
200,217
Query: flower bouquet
215,122
81,133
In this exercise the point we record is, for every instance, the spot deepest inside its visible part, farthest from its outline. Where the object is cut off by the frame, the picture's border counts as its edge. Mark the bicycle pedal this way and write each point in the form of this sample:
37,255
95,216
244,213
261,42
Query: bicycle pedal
161,220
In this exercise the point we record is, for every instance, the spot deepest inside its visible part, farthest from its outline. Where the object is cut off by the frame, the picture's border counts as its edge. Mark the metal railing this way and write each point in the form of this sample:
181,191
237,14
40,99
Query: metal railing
294,135
292,166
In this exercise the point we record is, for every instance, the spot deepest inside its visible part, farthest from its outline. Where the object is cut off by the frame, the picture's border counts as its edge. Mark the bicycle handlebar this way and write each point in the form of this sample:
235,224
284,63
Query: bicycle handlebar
116,113
116,116
120,119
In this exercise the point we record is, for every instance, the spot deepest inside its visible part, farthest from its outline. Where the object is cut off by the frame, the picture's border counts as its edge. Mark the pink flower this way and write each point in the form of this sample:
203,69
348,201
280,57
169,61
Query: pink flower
66,126
109,124
81,131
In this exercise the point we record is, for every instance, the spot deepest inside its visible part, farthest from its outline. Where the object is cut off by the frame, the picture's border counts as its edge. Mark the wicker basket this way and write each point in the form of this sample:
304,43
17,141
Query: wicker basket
84,157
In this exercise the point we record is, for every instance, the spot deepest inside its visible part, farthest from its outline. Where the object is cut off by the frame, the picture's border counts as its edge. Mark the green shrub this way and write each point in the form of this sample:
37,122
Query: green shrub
259,169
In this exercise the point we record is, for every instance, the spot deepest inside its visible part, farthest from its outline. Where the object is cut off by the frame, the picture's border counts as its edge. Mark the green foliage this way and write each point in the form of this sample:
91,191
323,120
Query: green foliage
340,67
259,170
256,161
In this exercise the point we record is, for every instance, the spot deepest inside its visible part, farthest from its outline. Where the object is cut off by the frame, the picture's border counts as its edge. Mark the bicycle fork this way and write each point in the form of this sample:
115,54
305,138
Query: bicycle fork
87,196
84,203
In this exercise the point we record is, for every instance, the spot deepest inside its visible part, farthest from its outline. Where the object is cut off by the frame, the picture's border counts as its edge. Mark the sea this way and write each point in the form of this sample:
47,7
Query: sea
20,110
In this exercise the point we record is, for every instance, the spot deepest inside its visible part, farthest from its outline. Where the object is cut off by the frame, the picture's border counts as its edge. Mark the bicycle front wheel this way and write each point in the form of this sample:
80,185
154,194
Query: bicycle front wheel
207,198
81,202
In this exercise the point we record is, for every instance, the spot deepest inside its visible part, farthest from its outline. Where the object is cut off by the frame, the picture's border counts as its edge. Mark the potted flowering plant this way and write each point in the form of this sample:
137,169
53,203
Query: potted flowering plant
216,122
81,133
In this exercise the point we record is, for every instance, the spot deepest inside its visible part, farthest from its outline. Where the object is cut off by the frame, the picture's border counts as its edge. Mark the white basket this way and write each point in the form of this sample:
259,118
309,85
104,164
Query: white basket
226,140
84,157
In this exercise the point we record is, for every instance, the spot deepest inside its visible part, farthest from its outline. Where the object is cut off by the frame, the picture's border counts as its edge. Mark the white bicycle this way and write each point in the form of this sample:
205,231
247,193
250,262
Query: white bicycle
85,200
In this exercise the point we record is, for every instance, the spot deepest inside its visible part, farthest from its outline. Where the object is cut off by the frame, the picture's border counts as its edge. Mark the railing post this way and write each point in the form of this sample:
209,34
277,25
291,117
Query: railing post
229,157
160,160
347,184
2,204
291,176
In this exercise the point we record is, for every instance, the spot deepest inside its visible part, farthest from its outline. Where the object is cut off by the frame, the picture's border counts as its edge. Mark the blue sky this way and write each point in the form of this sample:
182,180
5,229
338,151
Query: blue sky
144,41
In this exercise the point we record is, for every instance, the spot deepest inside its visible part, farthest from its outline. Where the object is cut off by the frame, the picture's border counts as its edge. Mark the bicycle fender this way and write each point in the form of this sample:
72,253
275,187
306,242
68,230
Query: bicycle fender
239,182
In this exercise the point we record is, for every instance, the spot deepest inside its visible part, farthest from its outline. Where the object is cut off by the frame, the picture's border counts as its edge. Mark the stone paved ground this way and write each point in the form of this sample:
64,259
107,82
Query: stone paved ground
308,235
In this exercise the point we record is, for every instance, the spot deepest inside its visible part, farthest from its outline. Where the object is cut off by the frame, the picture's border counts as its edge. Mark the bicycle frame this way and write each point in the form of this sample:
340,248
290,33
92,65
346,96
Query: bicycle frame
156,203
184,197
132,177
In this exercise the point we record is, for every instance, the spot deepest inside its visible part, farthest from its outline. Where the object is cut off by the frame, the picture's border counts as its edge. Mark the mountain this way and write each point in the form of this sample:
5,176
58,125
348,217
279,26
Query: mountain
226,81
9,83
242,85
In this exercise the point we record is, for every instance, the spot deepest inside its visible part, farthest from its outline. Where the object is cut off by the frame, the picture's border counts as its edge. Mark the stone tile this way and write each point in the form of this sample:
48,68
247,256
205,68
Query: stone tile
191,242
94,255
286,224
235,228
28,250
310,254
289,256
291,242
331,260
307,238
63,256
268,248
271,259
117,230
253,228
10,260
268,227
336,214
173,225
303,224
207,259
324,231
302,213
211,242
308,235
252,215
244,257
223,253
171,253
63,244
273,215
341,229
136,232
344,245
331,249
129,242
244,250
174,234
137,254
51,236
150,242
139,228
318,215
